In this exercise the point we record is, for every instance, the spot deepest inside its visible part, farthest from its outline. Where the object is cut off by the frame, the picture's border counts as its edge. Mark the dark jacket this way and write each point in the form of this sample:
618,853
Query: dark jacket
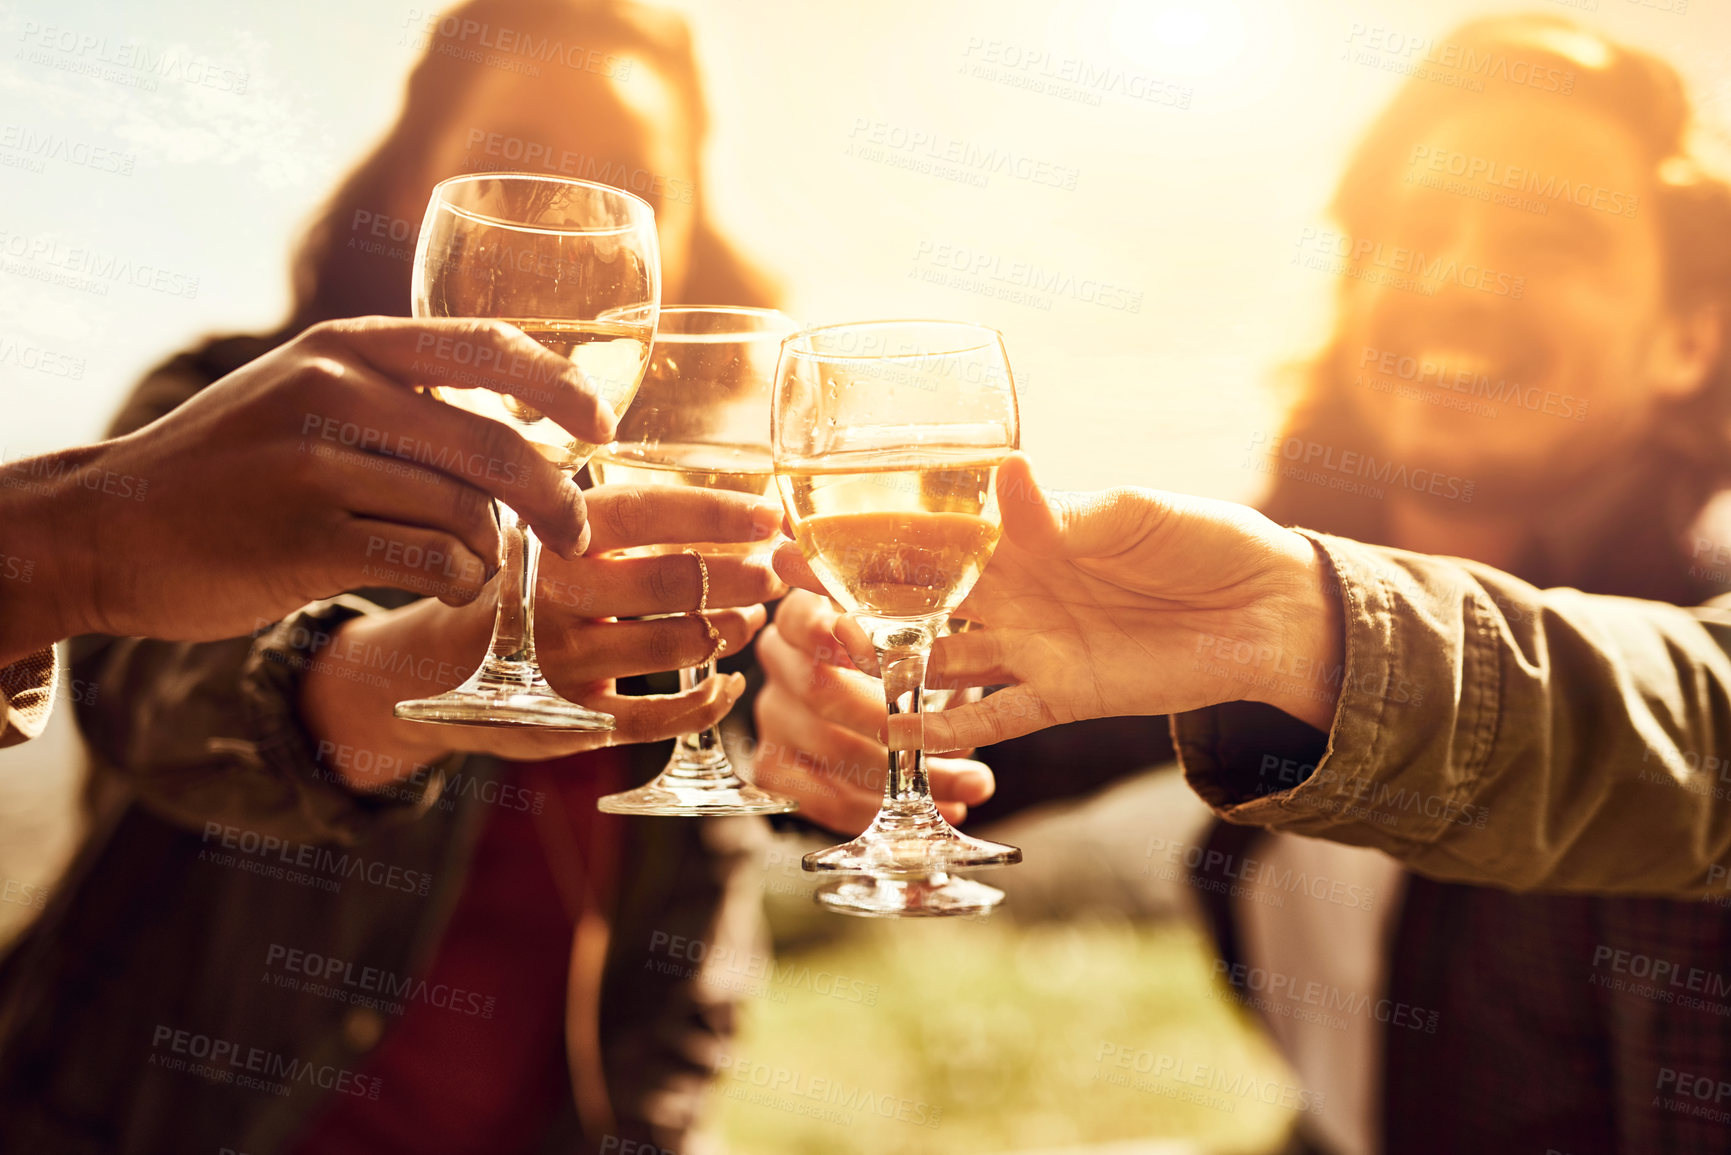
215,838
1540,1032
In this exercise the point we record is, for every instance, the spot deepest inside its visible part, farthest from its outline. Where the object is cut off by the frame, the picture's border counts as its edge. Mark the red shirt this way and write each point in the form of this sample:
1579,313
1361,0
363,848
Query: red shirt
453,1080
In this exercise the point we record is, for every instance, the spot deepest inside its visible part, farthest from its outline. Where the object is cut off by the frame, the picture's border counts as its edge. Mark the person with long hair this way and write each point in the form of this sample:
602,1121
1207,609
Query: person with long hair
299,925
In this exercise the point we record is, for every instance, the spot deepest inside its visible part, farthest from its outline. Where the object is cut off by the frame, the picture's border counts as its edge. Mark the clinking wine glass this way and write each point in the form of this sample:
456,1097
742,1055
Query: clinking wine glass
887,438
700,419
576,266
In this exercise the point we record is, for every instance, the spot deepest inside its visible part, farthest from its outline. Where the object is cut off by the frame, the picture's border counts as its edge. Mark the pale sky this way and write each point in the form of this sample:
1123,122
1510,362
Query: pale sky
1190,214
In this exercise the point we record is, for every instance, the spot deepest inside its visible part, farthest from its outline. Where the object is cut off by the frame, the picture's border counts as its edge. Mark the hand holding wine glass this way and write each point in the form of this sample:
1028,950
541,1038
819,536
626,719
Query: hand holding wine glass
887,436
574,265
701,420
1123,602
587,605
820,723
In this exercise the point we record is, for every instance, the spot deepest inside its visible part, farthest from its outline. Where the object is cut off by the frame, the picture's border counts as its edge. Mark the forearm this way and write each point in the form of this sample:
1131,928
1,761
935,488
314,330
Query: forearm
1490,732
46,540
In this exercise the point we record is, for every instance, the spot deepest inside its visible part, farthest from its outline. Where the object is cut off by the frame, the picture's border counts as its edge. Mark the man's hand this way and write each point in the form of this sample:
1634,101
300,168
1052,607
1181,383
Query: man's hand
818,725
315,469
427,648
1132,601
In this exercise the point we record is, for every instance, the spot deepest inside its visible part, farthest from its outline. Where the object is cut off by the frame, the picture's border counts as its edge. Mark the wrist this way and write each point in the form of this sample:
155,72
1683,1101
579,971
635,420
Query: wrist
49,548
1304,627
369,665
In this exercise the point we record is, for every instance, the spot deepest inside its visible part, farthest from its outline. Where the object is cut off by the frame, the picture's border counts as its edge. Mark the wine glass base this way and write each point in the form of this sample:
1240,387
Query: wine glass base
912,853
936,896
674,800
505,694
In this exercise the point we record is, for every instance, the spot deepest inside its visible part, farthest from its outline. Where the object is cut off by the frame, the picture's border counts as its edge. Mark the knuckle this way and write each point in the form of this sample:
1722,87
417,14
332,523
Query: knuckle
471,509
325,334
626,513
665,584
667,644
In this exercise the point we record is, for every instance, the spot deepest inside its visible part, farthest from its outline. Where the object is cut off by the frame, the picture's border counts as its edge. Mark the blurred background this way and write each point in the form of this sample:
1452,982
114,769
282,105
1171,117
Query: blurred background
1122,188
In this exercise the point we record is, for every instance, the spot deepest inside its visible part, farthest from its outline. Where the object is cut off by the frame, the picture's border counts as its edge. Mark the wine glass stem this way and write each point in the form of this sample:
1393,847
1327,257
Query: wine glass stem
514,624
902,661
704,747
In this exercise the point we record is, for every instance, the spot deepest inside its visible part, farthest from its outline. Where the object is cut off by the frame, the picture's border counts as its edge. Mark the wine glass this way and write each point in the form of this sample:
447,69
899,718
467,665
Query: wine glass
576,266
887,438
700,419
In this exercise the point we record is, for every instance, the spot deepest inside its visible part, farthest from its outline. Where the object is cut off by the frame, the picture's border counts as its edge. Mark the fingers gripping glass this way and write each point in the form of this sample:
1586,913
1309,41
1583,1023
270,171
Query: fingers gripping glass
701,419
576,266
887,438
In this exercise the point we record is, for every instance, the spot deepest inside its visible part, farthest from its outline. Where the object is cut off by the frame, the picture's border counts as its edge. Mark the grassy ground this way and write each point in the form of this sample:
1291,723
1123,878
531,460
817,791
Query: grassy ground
903,1038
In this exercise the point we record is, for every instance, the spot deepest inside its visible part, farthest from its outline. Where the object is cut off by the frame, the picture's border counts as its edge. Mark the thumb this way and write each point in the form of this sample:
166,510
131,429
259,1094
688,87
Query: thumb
1072,525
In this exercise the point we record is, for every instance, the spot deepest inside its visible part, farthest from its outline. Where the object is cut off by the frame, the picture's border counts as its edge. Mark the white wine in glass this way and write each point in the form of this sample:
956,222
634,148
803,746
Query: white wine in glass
701,420
888,436
576,266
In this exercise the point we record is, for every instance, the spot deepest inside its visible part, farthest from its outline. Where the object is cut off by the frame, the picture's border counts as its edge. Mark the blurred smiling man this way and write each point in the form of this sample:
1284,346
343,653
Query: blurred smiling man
1528,369
1537,338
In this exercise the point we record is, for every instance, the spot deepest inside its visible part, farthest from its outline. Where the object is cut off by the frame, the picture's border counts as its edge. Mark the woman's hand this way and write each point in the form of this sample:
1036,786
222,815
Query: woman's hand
427,648
1132,601
818,725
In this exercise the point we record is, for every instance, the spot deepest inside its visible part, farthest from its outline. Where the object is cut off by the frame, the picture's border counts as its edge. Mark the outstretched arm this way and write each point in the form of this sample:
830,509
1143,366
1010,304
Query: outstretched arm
1471,725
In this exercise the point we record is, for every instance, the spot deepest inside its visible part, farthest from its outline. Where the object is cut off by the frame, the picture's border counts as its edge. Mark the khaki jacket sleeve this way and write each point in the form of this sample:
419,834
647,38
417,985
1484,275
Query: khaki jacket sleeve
1490,732
26,696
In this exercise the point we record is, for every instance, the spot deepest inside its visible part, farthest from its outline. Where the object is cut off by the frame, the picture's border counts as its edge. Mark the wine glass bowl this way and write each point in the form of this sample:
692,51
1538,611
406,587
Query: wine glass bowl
576,266
887,439
701,420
